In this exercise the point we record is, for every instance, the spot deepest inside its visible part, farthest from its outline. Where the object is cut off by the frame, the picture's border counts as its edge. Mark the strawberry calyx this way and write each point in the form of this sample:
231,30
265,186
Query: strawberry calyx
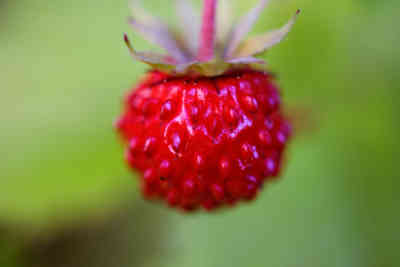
197,49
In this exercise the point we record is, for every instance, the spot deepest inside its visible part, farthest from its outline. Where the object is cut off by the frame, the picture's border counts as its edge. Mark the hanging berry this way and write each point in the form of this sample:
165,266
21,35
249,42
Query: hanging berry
204,127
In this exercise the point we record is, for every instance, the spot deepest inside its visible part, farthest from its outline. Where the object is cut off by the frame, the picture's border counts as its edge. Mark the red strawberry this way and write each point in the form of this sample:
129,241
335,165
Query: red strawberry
205,130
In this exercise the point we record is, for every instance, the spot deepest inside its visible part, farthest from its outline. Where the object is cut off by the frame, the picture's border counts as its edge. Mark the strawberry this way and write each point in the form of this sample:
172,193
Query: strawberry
205,125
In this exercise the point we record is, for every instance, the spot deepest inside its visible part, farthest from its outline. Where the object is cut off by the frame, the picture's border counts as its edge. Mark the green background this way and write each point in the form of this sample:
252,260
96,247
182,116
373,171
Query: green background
67,198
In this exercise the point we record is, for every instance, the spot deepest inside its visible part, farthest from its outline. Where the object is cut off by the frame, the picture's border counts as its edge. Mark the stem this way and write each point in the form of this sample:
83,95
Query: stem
207,34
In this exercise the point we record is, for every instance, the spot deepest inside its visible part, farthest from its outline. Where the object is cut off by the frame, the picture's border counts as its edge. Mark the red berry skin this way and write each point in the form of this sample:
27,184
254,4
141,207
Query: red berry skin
204,142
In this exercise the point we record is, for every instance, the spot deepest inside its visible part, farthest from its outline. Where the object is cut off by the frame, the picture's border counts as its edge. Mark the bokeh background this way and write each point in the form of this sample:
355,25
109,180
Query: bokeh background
67,198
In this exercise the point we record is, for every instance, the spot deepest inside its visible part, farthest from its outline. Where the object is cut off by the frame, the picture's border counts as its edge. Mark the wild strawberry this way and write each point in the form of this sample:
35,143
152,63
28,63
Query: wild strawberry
205,126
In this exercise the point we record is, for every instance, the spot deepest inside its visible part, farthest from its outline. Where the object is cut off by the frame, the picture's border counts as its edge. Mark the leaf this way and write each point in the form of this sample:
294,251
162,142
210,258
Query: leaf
242,28
157,32
224,21
246,60
189,21
158,61
260,43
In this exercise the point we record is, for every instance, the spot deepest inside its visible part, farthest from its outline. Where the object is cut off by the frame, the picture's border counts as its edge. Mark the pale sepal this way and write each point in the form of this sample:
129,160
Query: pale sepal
246,60
225,21
242,28
157,61
260,43
189,25
156,32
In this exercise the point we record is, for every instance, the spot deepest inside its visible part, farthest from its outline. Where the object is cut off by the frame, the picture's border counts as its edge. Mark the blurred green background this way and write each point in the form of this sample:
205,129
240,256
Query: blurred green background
67,198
